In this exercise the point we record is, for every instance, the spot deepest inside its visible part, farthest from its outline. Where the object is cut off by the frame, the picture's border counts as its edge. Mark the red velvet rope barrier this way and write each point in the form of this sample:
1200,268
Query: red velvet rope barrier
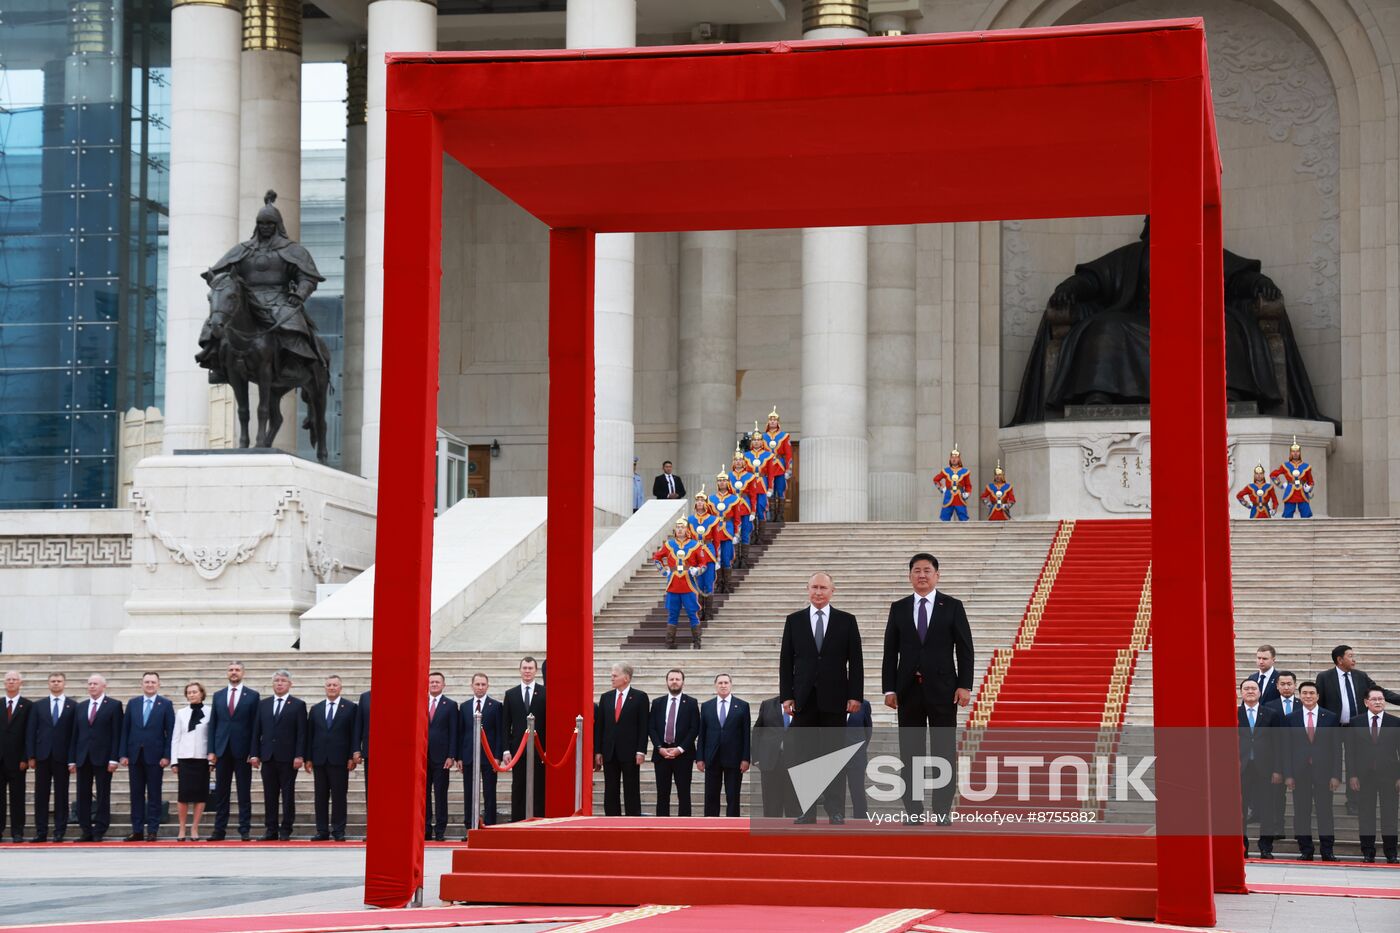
545,758
496,765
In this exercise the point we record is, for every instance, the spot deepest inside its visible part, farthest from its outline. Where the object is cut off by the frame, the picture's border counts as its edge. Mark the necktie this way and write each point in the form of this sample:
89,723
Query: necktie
92,711
787,720
9,710
432,708
723,710
1311,730
821,629
478,707
617,710
1375,728
671,723
146,712
232,701
55,711
1351,696
330,714
1251,719
670,484
527,700
923,619
277,713
1287,707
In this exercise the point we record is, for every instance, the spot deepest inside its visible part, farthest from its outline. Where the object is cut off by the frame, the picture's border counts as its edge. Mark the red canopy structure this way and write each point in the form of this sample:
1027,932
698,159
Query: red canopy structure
1061,122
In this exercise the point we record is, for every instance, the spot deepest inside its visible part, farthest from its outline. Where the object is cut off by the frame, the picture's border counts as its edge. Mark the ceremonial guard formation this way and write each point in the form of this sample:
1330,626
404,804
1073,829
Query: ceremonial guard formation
1295,479
998,497
1259,496
731,511
780,444
955,482
682,559
703,525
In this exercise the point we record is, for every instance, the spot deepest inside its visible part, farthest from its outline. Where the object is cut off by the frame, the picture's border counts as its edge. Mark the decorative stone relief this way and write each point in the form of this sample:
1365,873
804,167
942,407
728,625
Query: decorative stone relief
33,551
1021,309
1118,471
211,560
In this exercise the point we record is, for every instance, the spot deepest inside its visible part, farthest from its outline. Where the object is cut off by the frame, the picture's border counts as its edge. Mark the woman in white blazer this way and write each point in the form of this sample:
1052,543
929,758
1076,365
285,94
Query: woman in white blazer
189,748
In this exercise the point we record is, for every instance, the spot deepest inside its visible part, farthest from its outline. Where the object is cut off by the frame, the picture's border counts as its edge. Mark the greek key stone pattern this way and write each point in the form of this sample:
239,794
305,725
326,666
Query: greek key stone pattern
30,551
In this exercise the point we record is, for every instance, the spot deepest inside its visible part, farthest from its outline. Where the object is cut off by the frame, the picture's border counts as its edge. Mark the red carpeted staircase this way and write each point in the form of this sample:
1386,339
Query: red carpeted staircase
1062,688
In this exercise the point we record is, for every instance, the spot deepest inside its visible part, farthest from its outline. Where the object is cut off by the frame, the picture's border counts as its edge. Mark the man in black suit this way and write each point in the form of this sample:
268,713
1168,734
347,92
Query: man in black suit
494,730
674,726
1342,689
620,743
1312,770
926,674
773,755
1373,747
14,759
1260,765
1282,706
442,756
1267,675
332,731
92,755
231,715
46,741
522,701
821,677
362,739
724,746
859,728
279,751
667,485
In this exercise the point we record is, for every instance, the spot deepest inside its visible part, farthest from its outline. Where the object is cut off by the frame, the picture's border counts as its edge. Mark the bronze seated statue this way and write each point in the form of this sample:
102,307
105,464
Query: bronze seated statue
1092,344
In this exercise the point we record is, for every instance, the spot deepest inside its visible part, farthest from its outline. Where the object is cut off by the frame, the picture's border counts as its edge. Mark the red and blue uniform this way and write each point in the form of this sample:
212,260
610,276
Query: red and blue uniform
1296,481
1259,498
780,443
999,497
762,464
676,560
730,509
956,485
741,482
702,528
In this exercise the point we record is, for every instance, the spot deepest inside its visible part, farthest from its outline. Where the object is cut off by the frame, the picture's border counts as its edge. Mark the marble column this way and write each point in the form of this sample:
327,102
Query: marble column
205,48
610,24
353,383
709,332
835,457
394,26
270,137
890,360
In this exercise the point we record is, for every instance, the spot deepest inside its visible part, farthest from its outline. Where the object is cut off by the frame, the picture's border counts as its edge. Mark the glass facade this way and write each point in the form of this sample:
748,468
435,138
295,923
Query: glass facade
84,145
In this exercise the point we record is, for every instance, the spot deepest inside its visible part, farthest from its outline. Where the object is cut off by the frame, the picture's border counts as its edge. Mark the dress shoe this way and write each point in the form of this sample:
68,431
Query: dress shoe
339,837
86,837
1392,859
96,837
1368,858
1266,855
217,837
1328,857
321,837
244,837
837,819
268,837
135,837
805,819
1305,857
40,839
284,837
439,837
16,839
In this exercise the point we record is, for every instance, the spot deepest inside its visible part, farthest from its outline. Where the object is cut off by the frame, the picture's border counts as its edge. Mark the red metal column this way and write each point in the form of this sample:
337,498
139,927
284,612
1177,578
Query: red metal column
404,541
1185,884
569,551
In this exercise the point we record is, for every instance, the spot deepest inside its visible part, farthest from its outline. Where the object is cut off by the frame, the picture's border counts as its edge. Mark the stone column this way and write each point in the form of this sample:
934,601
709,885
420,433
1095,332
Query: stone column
394,26
834,462
709,332
890,357
353,383
610,24
205,47
270,138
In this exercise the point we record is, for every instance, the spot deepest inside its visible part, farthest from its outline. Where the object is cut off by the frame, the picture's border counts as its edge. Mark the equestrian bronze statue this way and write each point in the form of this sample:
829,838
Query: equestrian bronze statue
259,333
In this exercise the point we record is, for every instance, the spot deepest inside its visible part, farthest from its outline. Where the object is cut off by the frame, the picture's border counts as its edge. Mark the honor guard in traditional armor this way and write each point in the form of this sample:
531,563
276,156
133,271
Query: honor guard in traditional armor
703,523
1259,496
999,497
763,465
730,508
955,482
1295,481
780,443
681,559
741,480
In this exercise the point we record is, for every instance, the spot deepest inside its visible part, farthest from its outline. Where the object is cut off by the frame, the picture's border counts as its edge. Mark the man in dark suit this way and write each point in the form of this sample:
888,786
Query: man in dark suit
859,728
494,730
1260,765
279,750
673,727
523,700
667,485
442,756
1373,747
46,741
147,729
231,715
92,755
926,674
1342,689
821,677
1282,706
1312,770
332,731
14,759
1267,675
620,743
724,746
362,740
773,755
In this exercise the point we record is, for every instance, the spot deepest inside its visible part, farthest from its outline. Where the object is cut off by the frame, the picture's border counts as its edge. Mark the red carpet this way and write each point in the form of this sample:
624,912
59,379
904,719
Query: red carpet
707,919
1324,890
347,921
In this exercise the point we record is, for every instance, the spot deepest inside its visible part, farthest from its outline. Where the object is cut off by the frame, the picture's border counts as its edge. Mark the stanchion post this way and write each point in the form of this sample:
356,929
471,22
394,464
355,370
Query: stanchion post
578,764
475,801
530,766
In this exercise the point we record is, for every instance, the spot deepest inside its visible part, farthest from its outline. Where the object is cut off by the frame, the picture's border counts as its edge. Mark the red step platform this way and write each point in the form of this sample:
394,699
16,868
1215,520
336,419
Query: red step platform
682,860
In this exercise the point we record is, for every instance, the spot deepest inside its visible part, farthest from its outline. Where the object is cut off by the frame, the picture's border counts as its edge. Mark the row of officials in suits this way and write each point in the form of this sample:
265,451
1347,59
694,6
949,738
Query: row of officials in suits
1310,740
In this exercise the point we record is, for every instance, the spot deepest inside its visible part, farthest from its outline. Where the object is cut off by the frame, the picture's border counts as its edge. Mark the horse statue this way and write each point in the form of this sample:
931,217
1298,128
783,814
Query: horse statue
258,331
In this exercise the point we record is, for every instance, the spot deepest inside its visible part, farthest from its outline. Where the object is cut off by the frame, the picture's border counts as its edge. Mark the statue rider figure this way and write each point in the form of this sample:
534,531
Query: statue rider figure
278,275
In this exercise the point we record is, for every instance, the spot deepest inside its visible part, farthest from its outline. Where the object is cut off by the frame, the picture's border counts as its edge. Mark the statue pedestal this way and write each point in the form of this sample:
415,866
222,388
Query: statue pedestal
1103,469
227,550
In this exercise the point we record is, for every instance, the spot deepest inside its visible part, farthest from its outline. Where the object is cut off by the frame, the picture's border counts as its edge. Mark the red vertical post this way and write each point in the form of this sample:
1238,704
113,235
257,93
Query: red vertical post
404,539
1227,854
1185,886
569,549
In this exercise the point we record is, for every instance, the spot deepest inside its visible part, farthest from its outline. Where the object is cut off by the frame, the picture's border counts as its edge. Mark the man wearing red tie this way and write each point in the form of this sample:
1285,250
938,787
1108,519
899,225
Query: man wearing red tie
442,756
1373,745
620,743
1312,770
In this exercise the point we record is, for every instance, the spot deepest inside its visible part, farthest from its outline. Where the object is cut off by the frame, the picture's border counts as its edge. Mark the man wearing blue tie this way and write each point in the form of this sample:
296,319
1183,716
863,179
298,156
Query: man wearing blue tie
48,734
147,729
724,747
1285,684
1261,766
